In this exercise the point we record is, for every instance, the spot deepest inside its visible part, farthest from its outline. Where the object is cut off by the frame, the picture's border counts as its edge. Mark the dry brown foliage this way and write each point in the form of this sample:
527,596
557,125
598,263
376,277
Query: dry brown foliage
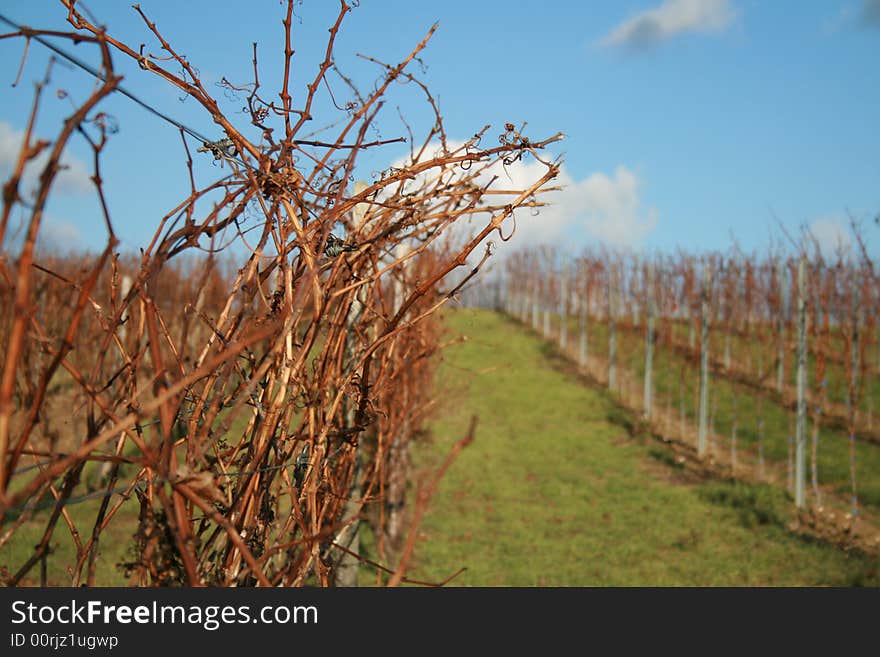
256,409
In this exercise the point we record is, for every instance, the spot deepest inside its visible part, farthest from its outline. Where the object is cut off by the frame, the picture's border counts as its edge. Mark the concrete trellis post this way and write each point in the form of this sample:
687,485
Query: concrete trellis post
800,456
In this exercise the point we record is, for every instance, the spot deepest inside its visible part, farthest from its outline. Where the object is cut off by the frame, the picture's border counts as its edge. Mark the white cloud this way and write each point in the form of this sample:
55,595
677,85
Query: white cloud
56,235
59,235
73,178
605,208
831,234
609,206
652,26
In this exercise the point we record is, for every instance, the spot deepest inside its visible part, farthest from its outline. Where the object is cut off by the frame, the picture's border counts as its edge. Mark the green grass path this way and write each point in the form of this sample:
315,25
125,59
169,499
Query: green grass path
554,492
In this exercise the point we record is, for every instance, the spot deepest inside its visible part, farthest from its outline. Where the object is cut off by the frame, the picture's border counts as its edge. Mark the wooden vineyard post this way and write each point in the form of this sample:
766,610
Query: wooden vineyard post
650,338
702,433
800,423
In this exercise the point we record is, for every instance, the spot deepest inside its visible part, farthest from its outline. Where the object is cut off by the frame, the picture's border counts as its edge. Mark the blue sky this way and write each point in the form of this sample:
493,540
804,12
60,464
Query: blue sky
688,122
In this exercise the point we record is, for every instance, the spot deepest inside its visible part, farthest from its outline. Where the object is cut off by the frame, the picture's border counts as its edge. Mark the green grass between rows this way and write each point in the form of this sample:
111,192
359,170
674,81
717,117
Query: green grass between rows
553,492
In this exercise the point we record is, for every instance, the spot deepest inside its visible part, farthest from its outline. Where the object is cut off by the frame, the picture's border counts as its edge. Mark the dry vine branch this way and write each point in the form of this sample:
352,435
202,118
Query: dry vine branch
254,412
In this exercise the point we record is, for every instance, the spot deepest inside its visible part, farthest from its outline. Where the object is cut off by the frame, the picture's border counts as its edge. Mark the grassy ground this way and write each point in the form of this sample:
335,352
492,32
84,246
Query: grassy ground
113,547
554,491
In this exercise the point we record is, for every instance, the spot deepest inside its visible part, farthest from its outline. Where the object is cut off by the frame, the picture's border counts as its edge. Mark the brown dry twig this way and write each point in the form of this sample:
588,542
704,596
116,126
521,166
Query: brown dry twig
243,413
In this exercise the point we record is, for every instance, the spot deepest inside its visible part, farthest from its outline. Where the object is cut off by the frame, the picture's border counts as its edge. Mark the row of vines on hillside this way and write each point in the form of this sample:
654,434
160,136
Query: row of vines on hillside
767,365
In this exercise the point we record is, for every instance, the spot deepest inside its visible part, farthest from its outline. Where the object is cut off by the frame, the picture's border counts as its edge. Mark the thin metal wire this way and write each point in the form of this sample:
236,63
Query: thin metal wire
96,73
125,92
